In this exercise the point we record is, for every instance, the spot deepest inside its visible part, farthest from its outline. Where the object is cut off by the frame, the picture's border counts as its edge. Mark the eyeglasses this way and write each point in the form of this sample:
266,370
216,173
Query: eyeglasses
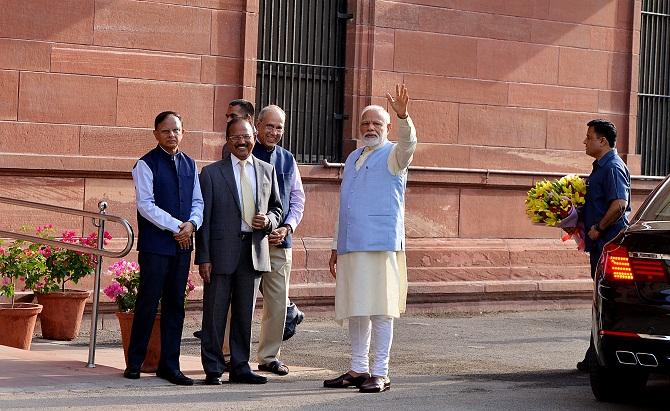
270,128
240,137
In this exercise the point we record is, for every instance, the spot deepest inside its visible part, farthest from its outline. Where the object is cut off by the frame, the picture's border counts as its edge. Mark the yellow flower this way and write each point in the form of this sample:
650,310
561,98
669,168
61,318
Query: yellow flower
549,201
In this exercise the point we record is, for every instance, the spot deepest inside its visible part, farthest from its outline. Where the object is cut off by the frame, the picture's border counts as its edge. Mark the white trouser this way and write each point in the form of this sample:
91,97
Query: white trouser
382,337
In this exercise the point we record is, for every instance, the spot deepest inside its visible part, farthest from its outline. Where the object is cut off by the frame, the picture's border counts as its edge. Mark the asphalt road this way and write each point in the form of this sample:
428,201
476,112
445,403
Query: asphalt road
500,361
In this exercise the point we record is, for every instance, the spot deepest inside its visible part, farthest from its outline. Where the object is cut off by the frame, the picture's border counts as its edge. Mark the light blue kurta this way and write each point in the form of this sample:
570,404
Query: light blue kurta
375,282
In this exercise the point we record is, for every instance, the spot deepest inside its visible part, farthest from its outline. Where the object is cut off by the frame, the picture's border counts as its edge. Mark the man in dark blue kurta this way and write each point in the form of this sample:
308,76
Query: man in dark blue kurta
607,205
169,210
275,283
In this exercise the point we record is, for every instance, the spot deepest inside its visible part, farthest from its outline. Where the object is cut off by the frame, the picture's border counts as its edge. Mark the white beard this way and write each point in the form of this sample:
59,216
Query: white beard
372,142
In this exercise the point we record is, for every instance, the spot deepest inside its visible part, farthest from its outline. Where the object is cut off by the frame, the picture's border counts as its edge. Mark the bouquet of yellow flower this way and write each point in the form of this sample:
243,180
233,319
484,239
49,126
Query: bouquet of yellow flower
556,203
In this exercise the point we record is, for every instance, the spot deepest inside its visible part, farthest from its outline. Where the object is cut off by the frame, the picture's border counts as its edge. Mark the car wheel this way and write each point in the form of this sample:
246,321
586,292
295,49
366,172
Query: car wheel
615,385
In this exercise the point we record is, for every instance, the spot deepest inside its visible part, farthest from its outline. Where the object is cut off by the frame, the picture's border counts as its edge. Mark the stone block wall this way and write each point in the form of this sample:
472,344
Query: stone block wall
501,84
496,86
87,77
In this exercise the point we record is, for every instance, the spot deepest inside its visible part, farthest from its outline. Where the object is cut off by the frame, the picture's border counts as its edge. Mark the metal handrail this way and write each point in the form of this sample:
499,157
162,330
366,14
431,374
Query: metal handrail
98,221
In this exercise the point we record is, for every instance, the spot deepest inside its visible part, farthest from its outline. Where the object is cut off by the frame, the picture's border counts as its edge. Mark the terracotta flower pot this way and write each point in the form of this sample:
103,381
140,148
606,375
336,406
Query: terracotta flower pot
17,324
150,363
63,310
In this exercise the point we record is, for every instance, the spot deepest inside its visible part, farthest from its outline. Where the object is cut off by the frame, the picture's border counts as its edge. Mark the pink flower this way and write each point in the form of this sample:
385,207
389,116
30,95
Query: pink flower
114,290
6,281
69,237
123,268
46,251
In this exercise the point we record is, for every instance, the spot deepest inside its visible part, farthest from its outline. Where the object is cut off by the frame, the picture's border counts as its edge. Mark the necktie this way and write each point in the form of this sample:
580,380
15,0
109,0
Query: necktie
248,204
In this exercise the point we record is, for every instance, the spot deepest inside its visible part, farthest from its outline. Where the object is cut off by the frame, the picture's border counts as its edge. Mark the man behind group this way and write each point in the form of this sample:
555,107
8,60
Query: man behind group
607,206
169,210
241,108
275,284
242,207
368,258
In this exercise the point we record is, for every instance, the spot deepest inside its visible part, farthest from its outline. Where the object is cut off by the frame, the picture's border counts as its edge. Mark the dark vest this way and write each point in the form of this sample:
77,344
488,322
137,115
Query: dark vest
283,161
173,193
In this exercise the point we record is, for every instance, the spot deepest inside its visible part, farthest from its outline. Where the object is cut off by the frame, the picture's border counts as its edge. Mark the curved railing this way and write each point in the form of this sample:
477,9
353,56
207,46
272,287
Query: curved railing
99,220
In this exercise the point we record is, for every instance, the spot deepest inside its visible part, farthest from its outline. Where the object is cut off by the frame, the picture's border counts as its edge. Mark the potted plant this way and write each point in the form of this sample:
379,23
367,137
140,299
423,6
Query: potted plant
123,291
18,261
63,308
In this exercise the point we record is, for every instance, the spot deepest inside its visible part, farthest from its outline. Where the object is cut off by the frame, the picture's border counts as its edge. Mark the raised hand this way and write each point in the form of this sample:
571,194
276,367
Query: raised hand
401,100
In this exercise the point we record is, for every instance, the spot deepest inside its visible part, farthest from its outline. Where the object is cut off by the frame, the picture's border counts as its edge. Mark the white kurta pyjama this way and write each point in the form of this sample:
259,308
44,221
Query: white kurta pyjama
375,282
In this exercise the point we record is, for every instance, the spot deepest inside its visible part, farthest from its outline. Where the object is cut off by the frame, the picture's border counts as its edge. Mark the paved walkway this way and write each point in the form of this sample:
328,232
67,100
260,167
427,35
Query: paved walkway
57,364
498,361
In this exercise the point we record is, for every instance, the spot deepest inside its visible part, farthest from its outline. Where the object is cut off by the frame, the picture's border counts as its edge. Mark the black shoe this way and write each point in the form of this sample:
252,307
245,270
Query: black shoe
177,378
247,378
292,324
213,379
346,380
131,373
583,365
376,384
198,334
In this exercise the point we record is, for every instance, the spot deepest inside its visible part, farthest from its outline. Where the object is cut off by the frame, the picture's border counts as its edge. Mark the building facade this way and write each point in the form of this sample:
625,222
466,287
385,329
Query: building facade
501,93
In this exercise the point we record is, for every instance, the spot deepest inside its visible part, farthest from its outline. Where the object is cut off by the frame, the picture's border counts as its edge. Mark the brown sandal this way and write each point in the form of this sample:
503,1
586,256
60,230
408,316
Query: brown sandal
276,367
346,380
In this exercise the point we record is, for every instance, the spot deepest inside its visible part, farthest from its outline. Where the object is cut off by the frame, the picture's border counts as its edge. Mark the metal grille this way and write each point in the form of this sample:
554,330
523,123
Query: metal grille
301,68
653,121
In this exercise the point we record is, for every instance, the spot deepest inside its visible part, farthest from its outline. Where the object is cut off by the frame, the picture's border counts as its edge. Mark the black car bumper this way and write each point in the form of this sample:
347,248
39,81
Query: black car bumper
629,336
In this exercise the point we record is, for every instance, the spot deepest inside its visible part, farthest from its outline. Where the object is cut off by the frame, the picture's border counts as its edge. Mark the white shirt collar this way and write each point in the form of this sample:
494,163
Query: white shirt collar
235,160
167,152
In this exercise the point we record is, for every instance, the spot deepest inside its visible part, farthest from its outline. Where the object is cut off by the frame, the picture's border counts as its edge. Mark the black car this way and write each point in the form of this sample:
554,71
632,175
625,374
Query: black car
631,305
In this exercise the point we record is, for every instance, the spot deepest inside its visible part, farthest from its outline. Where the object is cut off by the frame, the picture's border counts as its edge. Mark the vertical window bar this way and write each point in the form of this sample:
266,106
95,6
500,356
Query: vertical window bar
654,88
299,68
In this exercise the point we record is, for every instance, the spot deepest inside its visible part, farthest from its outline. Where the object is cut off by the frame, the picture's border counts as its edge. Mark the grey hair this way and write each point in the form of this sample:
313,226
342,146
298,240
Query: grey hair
380,109
271,107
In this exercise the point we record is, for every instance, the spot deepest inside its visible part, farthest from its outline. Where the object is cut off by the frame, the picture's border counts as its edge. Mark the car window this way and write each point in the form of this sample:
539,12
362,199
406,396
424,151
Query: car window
658,207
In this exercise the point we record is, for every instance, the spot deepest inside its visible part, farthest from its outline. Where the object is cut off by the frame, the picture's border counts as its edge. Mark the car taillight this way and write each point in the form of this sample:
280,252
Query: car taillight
648,270
619,267
616,263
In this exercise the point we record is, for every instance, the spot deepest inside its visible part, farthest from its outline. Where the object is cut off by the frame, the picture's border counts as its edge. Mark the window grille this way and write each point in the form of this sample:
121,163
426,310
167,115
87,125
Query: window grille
301,46
653,121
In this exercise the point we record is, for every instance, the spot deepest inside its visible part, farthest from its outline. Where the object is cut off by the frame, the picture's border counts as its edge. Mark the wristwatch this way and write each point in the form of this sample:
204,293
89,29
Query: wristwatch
597,227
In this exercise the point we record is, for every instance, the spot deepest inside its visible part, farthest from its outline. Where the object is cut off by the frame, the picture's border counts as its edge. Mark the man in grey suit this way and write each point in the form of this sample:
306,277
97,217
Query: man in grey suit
242,207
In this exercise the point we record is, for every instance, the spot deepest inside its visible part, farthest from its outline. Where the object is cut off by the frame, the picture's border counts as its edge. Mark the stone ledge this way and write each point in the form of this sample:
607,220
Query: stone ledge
566,285
470,296
120,167
444,296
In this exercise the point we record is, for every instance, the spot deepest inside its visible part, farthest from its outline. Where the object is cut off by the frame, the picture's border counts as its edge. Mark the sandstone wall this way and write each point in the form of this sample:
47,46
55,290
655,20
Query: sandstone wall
504,86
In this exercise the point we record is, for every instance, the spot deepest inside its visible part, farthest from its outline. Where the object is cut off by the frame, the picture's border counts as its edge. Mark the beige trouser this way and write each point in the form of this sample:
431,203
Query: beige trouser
275,297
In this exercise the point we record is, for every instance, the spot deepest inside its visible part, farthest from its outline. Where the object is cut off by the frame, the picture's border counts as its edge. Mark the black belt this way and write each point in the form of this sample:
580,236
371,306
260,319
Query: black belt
246,235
